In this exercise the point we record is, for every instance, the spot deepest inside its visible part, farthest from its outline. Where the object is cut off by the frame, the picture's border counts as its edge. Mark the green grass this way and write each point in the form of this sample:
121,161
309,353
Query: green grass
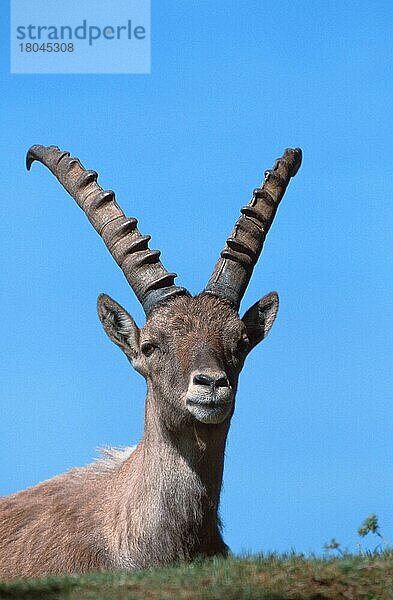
254,578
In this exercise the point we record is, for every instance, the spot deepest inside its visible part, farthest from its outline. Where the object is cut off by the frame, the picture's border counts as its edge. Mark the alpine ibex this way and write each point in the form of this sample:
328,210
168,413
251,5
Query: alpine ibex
157,503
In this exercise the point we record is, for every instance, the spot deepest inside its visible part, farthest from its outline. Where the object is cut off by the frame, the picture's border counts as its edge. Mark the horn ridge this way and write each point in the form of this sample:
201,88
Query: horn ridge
234,268
149,279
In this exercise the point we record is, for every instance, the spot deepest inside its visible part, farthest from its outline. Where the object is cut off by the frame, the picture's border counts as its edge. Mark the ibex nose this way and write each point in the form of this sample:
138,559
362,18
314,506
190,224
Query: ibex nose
212,380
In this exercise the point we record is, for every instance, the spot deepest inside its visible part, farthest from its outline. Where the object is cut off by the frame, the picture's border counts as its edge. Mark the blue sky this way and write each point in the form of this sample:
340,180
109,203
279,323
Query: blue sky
310,451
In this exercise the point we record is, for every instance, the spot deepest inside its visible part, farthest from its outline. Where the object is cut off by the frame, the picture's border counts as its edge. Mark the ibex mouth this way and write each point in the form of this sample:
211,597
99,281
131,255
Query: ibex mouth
210,413
213,410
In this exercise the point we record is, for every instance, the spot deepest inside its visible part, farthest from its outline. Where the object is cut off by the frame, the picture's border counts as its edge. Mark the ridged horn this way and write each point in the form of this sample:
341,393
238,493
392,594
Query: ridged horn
141,266
233,269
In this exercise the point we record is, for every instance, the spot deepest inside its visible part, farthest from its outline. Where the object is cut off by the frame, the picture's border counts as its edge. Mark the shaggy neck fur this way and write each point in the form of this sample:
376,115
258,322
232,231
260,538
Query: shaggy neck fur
173,484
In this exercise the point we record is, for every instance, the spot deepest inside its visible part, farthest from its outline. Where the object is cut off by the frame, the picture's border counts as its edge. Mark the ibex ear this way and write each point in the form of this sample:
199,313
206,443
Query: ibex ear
260,318
119,325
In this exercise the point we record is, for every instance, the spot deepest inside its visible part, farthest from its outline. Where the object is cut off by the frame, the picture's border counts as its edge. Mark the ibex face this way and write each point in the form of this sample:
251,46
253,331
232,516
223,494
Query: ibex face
191,351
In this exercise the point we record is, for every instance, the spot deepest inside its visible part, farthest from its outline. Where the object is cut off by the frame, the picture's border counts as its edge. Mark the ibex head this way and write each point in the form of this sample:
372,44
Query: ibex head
191,349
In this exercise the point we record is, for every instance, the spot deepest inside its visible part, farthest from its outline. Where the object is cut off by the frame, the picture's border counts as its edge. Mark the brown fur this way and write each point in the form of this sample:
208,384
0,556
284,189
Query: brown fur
159,503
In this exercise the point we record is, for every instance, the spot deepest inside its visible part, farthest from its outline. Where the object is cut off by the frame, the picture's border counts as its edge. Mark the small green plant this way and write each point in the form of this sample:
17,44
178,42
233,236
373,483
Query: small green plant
332,545
371,525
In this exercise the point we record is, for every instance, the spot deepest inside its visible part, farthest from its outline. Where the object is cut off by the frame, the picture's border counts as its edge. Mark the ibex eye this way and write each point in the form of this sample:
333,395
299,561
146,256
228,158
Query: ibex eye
243,344
148,348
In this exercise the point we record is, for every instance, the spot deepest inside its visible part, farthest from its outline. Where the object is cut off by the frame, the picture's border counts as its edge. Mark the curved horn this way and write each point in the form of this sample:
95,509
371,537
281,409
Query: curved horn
141,266
234,268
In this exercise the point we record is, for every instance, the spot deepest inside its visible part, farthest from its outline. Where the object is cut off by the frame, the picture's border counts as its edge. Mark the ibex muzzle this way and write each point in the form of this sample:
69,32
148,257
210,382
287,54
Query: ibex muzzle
210,395
158,503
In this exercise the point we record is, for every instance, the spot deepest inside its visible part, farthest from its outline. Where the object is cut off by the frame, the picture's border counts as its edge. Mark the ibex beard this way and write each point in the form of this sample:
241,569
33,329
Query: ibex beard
158,503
